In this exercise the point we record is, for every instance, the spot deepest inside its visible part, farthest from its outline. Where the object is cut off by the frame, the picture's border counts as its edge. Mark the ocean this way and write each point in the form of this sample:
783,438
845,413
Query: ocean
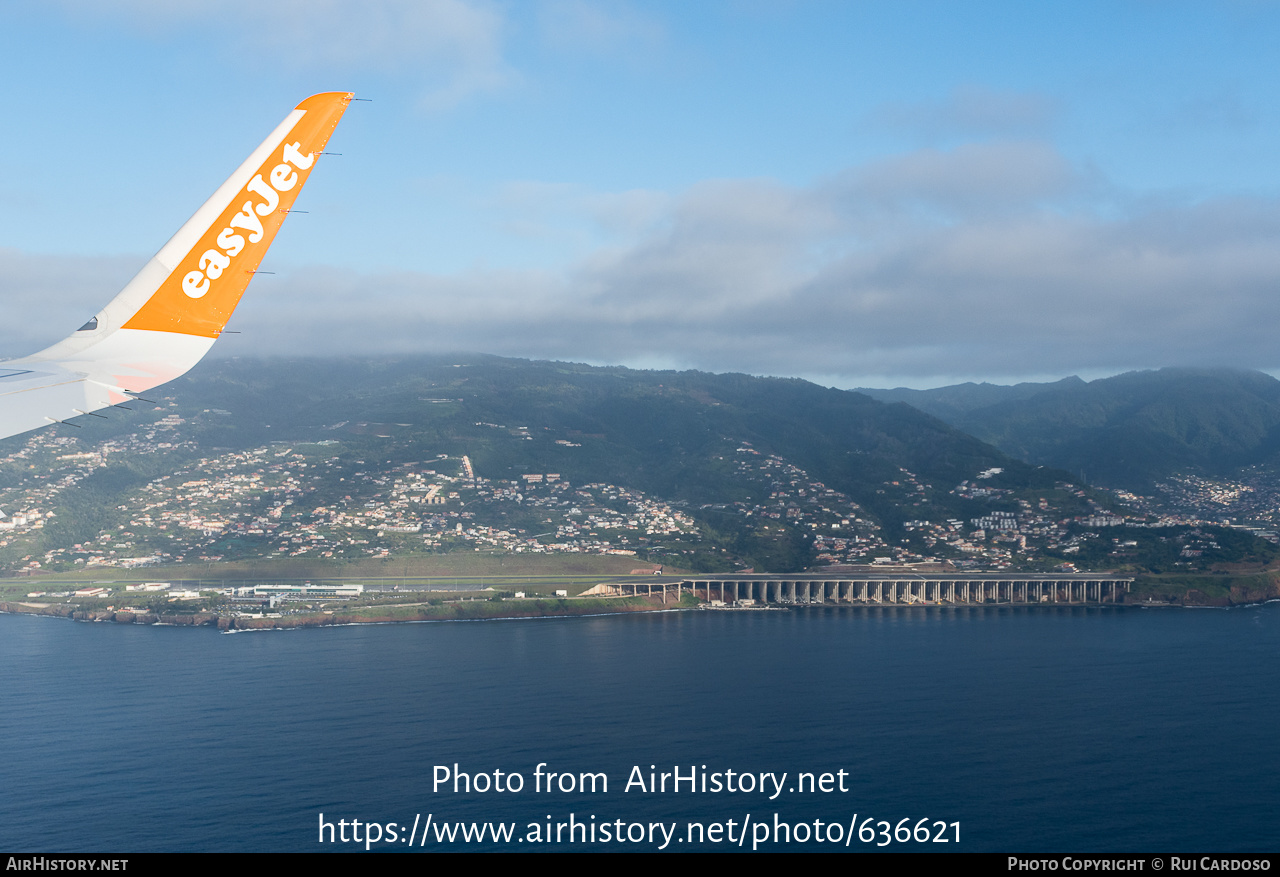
1025,729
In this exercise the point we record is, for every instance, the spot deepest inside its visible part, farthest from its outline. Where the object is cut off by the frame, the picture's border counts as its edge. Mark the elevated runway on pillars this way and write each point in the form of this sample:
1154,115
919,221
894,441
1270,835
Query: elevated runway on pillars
888,587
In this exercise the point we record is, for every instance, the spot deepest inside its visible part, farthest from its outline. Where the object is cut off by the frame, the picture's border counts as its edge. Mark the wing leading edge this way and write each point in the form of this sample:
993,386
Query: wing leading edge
165,320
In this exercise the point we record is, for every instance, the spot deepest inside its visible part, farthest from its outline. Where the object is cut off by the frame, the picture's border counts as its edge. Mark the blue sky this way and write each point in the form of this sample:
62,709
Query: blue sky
858,193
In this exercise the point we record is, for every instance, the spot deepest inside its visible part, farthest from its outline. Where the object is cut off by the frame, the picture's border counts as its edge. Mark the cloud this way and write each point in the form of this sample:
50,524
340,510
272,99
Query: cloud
598,27
1223,110
755,276
47,297
972,110
970,178
454,47
836,279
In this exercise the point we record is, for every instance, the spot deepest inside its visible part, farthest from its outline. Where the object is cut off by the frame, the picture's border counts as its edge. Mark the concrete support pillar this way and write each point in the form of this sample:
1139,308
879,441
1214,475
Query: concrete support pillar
868,591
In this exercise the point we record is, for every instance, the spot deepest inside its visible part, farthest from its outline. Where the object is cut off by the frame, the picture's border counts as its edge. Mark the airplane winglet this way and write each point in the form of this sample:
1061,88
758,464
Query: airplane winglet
213,257
166,318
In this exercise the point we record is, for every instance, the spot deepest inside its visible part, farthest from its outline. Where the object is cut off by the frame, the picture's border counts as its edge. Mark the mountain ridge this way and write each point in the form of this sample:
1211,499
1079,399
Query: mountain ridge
1130,430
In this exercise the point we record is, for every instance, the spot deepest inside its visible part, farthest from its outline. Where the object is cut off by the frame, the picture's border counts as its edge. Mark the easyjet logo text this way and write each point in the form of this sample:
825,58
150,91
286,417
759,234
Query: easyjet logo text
231,240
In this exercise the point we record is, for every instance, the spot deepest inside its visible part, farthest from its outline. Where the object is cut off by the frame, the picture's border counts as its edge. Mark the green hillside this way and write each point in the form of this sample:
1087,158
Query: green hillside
739,470
1128,431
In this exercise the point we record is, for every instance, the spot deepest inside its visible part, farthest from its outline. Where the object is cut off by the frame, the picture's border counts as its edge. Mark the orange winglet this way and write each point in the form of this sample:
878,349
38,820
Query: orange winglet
199,295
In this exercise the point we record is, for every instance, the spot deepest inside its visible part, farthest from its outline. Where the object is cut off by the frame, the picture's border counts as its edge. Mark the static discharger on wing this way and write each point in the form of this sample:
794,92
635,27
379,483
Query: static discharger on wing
166,319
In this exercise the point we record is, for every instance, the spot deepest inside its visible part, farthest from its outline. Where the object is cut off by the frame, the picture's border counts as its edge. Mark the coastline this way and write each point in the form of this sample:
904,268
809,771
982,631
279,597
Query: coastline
476,611
534,609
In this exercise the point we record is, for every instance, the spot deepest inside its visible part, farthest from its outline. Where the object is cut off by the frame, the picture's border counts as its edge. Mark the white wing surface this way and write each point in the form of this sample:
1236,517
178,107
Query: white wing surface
165,320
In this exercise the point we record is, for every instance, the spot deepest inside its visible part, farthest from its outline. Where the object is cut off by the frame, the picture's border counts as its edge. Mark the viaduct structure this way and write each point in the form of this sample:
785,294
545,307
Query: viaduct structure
889,587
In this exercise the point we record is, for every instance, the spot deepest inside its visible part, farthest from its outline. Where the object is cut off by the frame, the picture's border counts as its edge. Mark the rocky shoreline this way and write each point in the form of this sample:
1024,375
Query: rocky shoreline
1237,596
1220,591
229,622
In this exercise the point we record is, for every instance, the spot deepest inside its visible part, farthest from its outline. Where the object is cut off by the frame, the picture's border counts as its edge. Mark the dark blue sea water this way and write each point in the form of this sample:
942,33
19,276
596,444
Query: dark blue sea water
1036,729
